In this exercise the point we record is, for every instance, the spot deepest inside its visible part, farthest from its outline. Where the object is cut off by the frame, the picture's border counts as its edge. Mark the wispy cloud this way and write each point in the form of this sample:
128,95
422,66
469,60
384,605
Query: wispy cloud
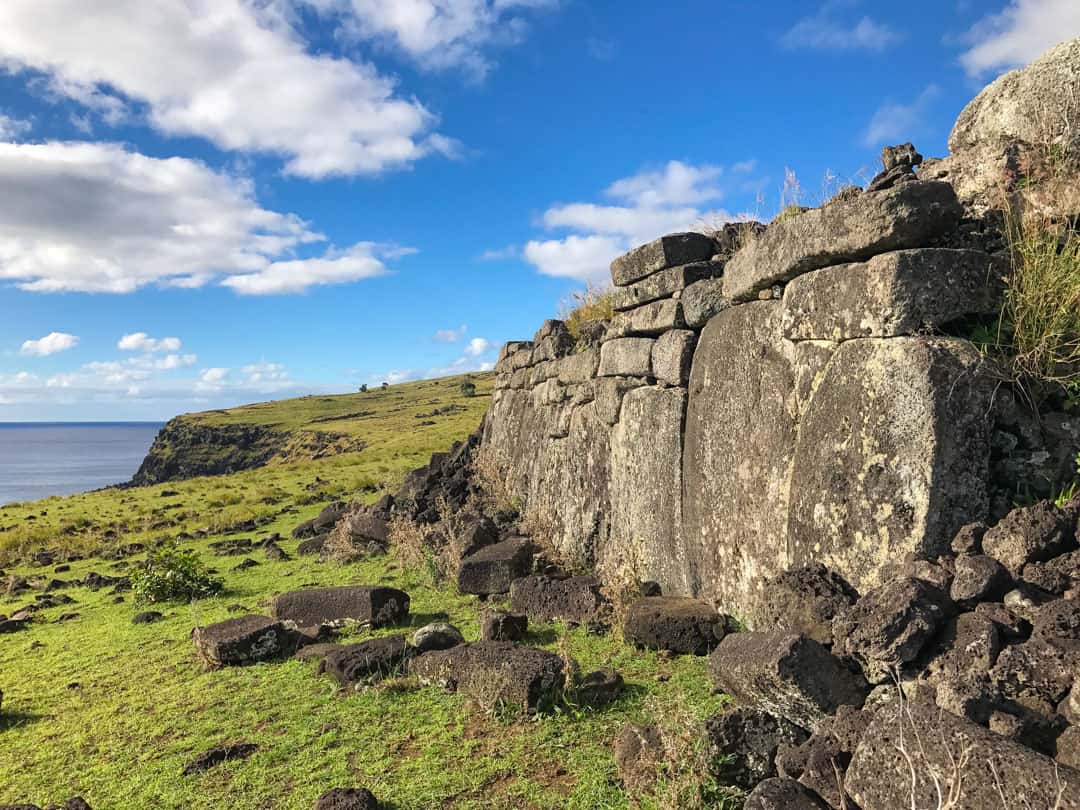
52,343
451,335
1019,34
142,342
823,31
895,122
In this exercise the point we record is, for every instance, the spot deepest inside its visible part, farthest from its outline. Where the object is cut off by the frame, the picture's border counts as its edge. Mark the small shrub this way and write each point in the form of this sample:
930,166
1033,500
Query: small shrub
468,388
172,574
591,305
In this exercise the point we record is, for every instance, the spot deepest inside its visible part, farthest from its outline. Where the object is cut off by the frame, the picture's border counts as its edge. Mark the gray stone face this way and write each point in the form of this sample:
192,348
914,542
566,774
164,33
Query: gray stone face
672,356
895,456
493,569
880,775
375,605
905,216
626,357
649,319
667,251
663,284
578,368
740,432
898,293
243,640
702,300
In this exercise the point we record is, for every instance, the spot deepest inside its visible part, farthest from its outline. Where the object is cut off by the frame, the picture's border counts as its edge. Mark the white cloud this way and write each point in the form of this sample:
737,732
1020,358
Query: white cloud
463,365
477,347
94,217
894,122
235,72
500,254
12,128
823,32
651,203
265,374
214,376
142,342
451,335
1019,34
52,343
436,34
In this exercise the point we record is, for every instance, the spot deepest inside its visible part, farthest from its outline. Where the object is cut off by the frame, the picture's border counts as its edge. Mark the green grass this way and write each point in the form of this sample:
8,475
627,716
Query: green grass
102,708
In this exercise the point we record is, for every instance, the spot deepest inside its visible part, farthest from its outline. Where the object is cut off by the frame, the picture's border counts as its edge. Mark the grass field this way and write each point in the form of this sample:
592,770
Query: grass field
112,711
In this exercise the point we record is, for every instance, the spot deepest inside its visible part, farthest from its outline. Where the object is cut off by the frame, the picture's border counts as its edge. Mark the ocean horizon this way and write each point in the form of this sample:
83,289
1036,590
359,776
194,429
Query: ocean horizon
44,459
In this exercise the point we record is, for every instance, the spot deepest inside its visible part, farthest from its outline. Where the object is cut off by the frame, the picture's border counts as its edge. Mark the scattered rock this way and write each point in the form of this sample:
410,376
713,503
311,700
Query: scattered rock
1030,534
805,600
437,636
147,617
347,799
639,751
493,569
783,794
743,743
365,662
679,625
376,605
215,756
499,625
600,688
544,599
243,640
979,578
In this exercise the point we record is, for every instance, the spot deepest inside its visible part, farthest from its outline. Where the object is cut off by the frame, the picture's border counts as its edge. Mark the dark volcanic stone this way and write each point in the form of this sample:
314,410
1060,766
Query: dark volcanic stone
783,794
600,688
215,756
639,751
1030,534
805,600
243,640
679,625
544,599
969,539
437,636
498,625
147,617
376,605
312,547
369,660
979,578
347,799
493,569
743,743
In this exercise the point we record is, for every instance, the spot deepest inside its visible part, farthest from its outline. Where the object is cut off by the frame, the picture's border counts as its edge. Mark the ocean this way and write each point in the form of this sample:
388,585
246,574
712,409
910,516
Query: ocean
40,459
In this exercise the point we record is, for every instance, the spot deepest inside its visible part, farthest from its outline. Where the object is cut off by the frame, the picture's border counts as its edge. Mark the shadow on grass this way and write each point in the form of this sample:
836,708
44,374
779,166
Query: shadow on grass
10,720
539,637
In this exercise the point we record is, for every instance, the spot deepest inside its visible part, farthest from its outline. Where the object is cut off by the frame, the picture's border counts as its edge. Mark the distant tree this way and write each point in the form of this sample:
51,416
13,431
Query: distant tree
363,388
386,385
468,388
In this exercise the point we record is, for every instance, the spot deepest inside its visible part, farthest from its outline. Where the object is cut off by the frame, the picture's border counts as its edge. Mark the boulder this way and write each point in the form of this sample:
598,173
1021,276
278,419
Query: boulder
626,357
312,547
365,662
494,568
783,794
1030,534
347,799
979,578
743,744
967,648
898,293
437,636
677,624
1068,748
969,539
805,600
905,216
499,625
147,617
908,757
599,688
889,626
1035,674
668,251
662,284
498,675
544,599
649,320
375,605
820,762
672,355
243,640
215,756
702,300
639,752
788,675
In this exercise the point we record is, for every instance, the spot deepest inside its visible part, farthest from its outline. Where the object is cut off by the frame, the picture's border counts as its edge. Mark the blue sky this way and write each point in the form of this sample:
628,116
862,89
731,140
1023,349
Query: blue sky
208,202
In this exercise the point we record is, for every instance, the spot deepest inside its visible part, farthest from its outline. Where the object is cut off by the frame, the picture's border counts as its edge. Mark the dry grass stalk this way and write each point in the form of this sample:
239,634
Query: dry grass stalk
593,304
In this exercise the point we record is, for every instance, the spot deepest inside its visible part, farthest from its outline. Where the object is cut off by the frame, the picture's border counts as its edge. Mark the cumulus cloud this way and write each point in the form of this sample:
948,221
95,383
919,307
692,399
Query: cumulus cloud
1019,34
893,122
95,217
234,72
52,343
646,205
477,347
451,335
142,342
436,34
822,31
214,376
11,128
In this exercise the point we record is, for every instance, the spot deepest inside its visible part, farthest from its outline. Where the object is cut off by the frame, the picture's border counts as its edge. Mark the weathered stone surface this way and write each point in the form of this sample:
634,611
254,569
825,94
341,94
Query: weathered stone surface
783,794
626,357
496,674
880,774
787,675
739,442
578,368
1030,534
639,752
347,799
820,762
667,251
805,600
437,636
898,293
663,284
367,661
645,491
702,300
376,605
889,626
1035,674
1070,706
895,456
1058,623
979,578
969,539
492,569
543,599
680,625
499,625
215,756
243,640
599,688
743,742
905,216
1068,747
649,319
672,355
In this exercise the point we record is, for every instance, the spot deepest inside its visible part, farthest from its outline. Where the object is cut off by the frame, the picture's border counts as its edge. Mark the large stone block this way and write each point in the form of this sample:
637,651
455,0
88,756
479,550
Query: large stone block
740,432
663,284
672,356
702,300
543,599
905,216
898,293
492,569
243,640
373,604
626,357
909,756
667,251
893,455
649,319
676,624
578,368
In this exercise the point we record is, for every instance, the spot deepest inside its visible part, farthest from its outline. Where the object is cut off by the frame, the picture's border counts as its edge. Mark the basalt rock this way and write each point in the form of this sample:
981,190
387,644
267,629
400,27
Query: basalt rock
367,661
378,606
743,743
243,640
493,569
347,799
805,600
678,625
544,599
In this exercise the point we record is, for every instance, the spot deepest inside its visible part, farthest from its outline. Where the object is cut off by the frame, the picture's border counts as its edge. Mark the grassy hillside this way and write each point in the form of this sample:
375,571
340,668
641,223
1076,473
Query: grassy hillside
97,706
